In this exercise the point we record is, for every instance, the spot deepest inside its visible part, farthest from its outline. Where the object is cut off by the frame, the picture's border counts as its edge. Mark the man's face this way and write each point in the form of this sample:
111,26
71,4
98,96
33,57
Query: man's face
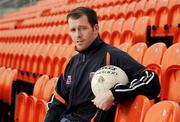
81,32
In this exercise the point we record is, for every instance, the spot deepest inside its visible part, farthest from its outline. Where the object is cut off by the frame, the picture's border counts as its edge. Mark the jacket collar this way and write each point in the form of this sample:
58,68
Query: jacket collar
94,46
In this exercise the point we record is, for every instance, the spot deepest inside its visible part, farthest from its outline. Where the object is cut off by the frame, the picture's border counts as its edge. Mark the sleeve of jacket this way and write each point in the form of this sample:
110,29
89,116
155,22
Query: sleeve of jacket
56,105
58,102
141,80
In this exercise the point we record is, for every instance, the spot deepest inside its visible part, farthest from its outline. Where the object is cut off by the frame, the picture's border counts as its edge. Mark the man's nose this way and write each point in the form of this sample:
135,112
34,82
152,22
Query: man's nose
78,34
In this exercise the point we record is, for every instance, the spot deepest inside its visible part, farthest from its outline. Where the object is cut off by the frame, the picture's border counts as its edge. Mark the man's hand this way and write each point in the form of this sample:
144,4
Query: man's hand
104,100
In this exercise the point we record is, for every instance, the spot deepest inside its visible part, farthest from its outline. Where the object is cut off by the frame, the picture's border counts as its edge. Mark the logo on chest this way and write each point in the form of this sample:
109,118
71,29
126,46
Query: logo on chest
69,80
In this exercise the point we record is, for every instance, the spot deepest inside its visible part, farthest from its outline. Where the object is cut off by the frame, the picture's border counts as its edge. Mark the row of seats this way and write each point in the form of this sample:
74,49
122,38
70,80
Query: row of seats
35,59
121,30
141,109
33,108
112,31
56,34
165,62
7,76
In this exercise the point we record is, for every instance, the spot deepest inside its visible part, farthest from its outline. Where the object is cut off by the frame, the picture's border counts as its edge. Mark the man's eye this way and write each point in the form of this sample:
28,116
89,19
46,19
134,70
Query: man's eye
82,28
72,30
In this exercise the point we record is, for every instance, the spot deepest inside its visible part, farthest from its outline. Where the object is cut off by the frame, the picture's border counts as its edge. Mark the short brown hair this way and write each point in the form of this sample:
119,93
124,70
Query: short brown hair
79,11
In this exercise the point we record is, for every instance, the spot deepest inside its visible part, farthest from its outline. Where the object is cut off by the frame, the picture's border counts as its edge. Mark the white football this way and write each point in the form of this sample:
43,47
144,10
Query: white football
106,77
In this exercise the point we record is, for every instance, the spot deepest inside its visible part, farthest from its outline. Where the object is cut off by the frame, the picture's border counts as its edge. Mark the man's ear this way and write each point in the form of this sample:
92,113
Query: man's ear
96,27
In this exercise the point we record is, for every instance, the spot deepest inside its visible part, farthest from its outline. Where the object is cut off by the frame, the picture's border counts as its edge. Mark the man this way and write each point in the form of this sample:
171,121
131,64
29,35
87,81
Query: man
73,100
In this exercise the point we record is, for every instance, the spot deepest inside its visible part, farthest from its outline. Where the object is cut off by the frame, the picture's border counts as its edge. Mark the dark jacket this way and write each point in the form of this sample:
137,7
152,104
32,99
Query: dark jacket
73,91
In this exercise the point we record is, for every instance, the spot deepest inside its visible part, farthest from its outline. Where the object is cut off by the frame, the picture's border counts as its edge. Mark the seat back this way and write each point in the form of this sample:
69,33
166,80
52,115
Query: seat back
141,29
153,58
164,111
30,109
40,110
116,31
20,107
40,85
49,88
137,51
171,73
132,110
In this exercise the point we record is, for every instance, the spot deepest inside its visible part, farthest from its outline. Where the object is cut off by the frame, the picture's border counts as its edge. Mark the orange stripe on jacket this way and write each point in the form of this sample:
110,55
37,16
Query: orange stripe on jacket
58,97
92,120
108,58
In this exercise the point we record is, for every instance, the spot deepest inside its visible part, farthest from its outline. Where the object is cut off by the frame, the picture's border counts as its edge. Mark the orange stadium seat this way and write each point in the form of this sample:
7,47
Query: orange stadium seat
20,107
30,107
137,51
171,73
140,34
130,9
3,78
139,9
39,86
132,110
153,58
117,31
161,16
177,36
164,111
40,111
122,11
7,87
51,54
106,31
41,57
112,13
150,10
127,30
124,46
50,86
174,16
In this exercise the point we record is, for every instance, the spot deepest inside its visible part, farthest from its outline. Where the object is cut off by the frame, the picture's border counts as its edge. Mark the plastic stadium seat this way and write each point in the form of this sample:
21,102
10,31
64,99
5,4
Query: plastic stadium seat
50,86
177,36
40,85
66,38
132,110
101,23
7,87
139,8
30,107
140,34
51,54
3,78
103,13
20,107
106,31
23,61
124,46
40,110
161,16
164,111
122,11
153,58
150,10
171,73
130,9
174,15
40,61
112,13
116,31
127,30
137,51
